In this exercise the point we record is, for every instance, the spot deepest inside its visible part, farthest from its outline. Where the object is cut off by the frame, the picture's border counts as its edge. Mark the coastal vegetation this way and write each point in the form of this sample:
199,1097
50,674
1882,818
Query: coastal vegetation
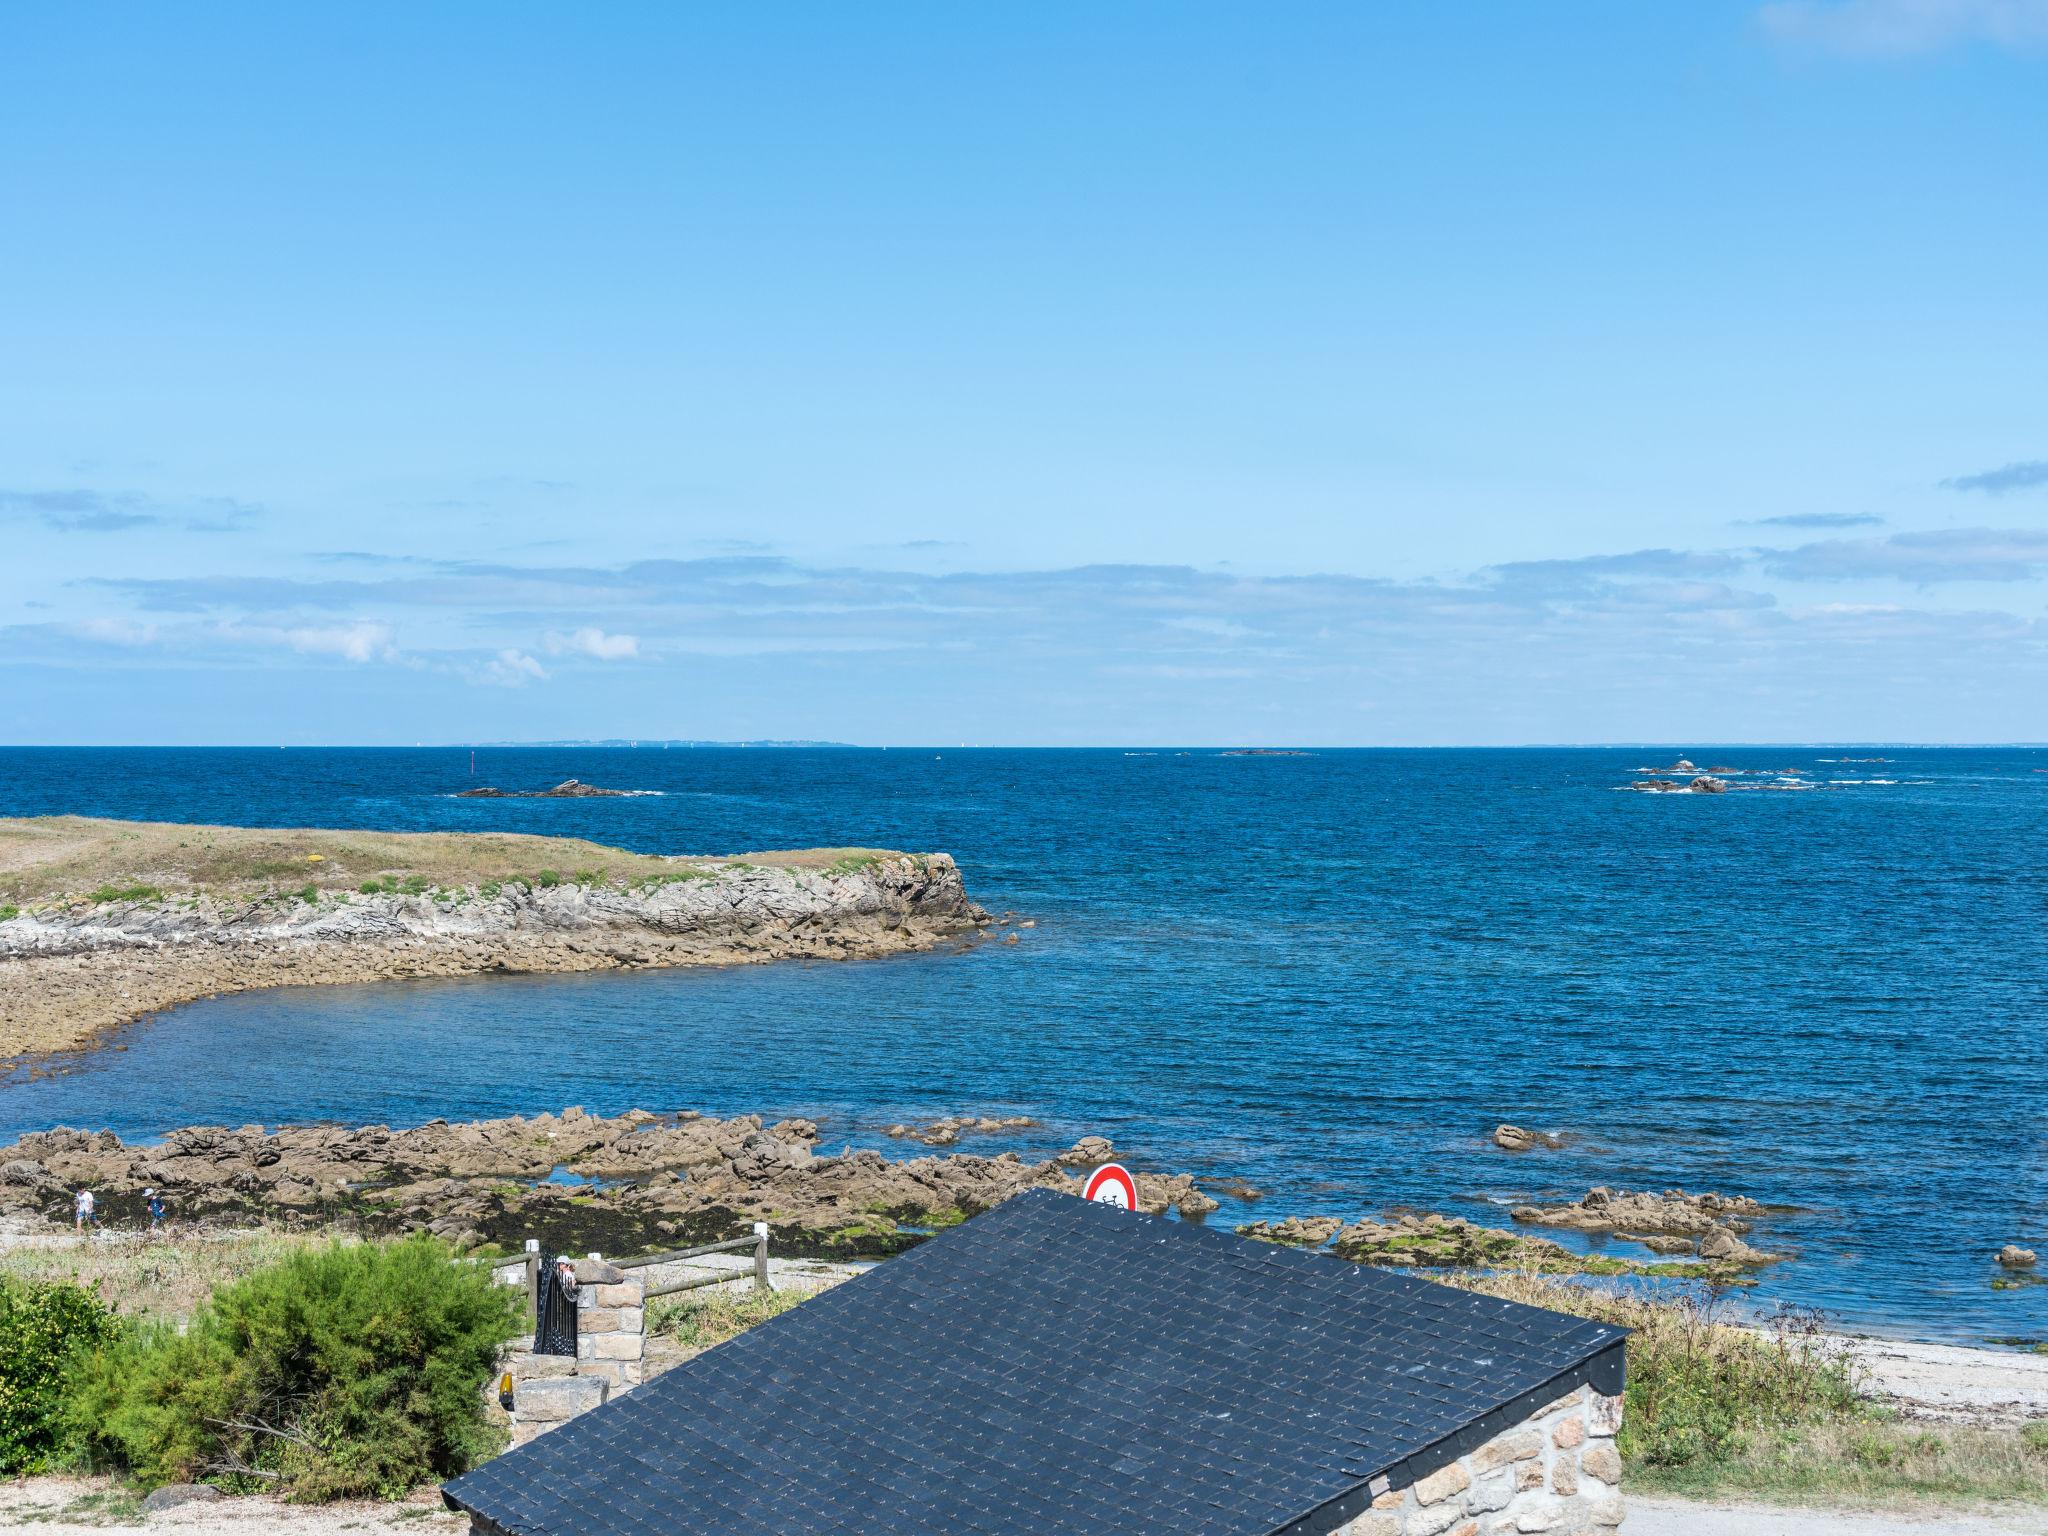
67,861
44,1325
1718,1408
380,1347
341,1371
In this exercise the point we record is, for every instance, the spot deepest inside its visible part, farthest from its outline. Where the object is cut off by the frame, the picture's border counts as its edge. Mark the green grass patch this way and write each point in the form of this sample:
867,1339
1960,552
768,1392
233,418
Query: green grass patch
852,864
547,879
7,912
112,893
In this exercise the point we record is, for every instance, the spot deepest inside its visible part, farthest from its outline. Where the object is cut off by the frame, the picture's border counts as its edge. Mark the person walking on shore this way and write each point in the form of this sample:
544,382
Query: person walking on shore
156,1209
82,1211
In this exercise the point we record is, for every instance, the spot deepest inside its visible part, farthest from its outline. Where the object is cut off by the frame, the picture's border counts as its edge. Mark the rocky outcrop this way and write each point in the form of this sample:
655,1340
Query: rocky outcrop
568,789
1514,1138
1417,1240
1671,1214
2011,1256
1296,1231
634,1182
1087,1152
1703,784
67,973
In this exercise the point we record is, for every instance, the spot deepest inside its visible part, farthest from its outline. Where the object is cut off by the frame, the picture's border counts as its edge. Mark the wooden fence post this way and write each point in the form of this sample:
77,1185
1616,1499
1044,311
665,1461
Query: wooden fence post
761,1257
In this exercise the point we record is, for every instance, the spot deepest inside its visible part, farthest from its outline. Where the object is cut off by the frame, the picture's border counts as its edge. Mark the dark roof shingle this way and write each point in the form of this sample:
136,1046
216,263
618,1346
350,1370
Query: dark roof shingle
1056,1366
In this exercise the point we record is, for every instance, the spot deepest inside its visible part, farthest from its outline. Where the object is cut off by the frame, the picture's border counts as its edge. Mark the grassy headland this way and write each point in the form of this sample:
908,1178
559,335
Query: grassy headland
102,921
69,862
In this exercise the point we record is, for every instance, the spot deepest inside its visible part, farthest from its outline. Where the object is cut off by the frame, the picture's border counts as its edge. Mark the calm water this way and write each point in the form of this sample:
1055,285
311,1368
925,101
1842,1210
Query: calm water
1332,974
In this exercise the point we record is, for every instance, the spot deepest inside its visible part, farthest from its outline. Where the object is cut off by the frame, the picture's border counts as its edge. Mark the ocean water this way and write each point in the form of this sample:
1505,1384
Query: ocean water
1330,974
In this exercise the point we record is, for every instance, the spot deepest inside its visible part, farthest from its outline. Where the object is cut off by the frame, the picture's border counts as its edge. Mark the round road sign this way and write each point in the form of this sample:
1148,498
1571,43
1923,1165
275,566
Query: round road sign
1112,1184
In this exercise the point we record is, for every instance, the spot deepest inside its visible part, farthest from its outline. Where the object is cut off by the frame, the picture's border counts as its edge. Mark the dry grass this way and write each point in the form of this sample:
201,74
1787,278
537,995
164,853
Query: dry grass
159,1277
699,1322
51,860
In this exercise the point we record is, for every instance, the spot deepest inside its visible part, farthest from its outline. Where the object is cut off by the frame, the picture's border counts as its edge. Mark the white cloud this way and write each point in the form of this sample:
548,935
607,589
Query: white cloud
1898,28
510,669
362,641
592,642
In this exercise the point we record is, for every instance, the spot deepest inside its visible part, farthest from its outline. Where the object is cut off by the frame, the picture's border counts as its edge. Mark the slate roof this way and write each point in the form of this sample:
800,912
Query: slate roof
1055,1366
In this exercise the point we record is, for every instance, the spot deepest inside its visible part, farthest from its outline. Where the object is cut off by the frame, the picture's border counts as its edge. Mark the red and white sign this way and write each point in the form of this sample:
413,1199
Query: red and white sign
1112,1184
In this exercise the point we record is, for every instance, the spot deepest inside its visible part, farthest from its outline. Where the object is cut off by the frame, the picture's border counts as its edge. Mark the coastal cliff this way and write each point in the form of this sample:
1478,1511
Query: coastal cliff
115,920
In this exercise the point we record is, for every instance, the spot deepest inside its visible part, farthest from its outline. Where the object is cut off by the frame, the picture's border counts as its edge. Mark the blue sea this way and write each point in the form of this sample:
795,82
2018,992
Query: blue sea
1331,975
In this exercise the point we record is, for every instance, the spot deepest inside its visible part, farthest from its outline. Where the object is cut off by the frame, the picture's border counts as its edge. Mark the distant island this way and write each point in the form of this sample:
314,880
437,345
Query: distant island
648,742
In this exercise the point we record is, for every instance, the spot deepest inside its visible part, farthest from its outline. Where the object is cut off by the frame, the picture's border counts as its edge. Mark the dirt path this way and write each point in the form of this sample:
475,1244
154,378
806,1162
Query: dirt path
1679,1517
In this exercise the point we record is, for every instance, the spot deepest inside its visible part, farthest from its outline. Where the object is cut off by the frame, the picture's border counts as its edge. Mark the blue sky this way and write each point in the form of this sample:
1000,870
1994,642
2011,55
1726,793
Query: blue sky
1054,373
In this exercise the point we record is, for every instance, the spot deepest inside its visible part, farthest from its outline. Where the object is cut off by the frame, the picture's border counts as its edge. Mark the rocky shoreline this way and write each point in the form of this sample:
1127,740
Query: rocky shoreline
71,970
640,1182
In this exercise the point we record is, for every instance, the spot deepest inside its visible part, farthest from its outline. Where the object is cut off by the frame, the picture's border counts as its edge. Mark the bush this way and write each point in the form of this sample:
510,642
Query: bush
43,1324
342,1372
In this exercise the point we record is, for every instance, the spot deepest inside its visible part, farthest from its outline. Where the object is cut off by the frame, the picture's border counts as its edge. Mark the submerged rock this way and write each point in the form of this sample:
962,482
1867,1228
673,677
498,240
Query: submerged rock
944,1133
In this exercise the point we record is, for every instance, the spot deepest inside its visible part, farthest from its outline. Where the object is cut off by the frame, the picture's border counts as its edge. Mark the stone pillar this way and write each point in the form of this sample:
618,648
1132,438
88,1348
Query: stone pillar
611,1323
1556,1472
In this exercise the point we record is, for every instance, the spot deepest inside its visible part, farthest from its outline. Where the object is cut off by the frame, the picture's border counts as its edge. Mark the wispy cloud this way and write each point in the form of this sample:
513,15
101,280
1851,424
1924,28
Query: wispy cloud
592,642
1521,651
1817,520
79,510
510,668
1950,554
1900,28
2021,475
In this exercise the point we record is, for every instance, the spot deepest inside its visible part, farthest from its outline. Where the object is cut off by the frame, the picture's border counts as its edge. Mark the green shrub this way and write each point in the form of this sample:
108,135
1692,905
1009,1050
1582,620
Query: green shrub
342,1372
107,893
547,879
7,912
309,894
372,887
42,1324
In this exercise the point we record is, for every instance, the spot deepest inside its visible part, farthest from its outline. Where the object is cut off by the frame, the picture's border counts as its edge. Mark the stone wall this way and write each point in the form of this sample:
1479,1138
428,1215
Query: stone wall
1556,1472
611,1355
